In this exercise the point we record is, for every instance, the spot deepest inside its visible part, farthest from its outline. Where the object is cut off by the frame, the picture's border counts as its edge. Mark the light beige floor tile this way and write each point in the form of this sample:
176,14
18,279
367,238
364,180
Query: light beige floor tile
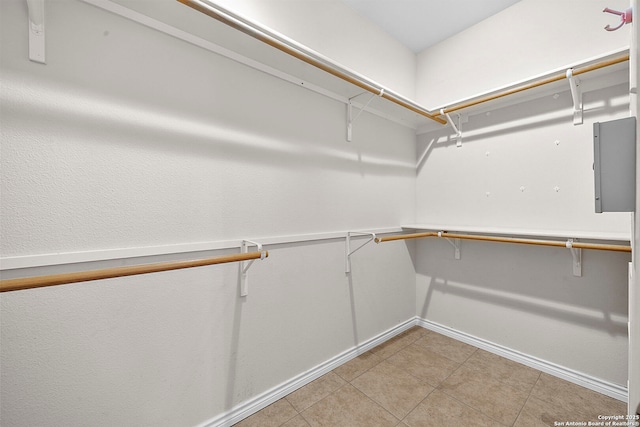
537,413
486,394
554,410
439,410
397,343
392,388
485,390
348,407
504,370
417,330
356,367
565,399
273,415
424,364
316,390
447,347
297,421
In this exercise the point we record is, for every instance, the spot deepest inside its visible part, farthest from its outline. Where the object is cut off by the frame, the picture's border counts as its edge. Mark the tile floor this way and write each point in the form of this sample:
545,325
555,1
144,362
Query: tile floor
421,378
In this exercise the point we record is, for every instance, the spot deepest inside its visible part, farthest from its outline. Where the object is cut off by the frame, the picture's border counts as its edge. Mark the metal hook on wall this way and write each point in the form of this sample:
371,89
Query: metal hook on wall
625,18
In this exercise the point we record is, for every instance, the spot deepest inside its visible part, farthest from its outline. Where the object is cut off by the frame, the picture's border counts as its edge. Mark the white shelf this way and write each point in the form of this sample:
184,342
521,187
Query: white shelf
63,258
575,234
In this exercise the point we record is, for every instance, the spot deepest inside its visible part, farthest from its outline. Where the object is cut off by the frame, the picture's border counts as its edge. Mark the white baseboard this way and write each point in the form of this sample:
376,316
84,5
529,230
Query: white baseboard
265,399
604,387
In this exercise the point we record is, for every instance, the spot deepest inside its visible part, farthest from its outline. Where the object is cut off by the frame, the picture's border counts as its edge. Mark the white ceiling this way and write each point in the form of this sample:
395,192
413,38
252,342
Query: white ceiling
419,24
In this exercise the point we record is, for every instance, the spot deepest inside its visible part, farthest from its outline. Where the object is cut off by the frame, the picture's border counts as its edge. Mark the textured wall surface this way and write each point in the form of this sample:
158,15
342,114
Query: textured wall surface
525,167
335,30
530,38
129,138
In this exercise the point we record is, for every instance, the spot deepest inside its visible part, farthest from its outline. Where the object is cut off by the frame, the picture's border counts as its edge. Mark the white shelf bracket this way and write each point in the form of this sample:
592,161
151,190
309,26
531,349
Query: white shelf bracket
350,118
36,30
245,265
349,252
576,253
456,129
576,95
455,243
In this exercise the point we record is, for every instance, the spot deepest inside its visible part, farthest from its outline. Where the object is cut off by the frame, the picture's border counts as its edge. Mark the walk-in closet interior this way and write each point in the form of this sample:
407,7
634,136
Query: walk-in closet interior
207,205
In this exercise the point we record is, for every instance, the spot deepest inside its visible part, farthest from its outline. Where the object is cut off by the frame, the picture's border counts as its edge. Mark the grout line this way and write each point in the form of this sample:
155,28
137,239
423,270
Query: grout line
528,397
409,343
466,404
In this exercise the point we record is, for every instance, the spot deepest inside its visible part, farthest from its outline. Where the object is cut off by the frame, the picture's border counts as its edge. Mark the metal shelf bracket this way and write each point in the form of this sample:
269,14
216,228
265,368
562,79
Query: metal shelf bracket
456,129
576,253
455,243
349,252
350,118
576,95
245,265
36,30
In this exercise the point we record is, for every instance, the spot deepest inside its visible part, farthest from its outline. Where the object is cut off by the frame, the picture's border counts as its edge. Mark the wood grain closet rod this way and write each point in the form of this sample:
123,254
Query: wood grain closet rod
108,273
535,84
561,244
253,30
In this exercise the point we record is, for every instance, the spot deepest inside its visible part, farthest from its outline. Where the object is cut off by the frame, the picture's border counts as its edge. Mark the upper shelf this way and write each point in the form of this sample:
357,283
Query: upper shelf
174,18
576,234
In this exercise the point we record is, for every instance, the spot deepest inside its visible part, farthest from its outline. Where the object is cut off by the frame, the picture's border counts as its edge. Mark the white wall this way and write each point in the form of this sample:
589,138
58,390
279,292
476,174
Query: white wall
550,312
524,167
129,138
529,38
335,30
526,299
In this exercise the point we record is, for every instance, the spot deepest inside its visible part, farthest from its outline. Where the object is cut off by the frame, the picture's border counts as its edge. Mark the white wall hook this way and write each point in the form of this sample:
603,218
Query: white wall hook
245,265
456,129
576,95
626,17
349,252
36,30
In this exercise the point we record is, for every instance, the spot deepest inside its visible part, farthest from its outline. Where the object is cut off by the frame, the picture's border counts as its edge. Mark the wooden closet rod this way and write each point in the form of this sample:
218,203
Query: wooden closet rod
108,273
577,245
535,84
302,53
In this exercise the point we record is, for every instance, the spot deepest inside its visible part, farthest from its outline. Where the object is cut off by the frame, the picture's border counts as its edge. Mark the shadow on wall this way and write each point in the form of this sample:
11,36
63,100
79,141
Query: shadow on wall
523,117
532,280
230,385
312,137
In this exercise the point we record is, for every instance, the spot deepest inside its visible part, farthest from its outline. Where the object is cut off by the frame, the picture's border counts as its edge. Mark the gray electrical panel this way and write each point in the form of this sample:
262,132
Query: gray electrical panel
614,165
